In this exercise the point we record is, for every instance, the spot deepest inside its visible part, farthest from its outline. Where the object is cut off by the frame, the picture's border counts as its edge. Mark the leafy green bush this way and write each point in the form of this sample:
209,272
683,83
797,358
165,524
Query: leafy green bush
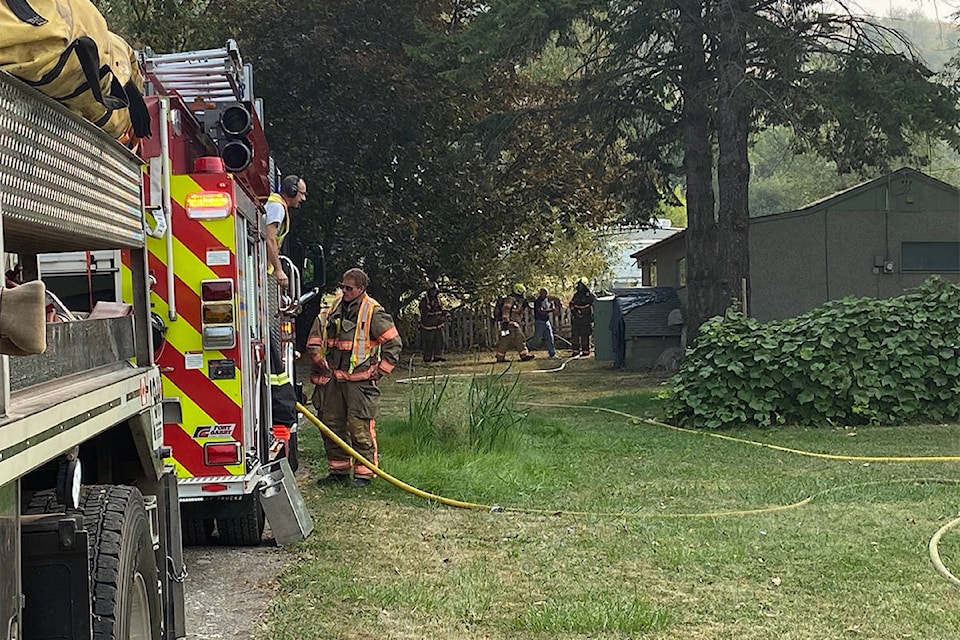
851,361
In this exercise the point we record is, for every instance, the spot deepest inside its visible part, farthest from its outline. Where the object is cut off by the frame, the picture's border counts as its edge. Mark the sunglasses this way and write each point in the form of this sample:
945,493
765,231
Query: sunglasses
346,287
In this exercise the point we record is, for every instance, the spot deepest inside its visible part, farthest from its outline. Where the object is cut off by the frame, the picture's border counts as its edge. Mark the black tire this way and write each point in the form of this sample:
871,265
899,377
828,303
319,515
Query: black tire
196,532
123,567
42,502
245,529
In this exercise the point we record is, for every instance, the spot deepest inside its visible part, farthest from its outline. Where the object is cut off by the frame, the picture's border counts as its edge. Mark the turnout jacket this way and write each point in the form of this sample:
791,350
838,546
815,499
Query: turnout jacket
512,309
353,342
432,315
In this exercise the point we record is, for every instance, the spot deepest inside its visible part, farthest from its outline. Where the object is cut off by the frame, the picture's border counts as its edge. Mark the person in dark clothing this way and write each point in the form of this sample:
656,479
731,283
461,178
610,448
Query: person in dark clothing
581,318
543,309
432,320
283,408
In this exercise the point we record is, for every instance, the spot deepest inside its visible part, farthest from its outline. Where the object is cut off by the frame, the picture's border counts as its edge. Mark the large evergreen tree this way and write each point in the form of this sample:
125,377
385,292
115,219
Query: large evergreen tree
703,75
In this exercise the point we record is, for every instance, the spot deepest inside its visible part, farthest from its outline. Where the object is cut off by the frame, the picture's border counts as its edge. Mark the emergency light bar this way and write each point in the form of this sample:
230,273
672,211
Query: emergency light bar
208,205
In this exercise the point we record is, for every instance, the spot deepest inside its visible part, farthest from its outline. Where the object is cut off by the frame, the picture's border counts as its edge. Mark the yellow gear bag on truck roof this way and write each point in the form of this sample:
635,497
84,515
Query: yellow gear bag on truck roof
64,49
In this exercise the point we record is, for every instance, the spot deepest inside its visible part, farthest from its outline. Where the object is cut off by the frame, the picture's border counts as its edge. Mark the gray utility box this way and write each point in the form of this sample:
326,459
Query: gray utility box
283,503
602,338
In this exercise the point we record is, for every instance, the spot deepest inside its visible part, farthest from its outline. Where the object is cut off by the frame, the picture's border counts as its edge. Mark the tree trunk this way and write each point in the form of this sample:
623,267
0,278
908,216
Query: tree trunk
702,233
732,268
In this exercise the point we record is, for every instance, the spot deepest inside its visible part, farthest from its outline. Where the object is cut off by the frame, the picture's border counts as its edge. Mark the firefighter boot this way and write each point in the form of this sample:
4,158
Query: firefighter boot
23,322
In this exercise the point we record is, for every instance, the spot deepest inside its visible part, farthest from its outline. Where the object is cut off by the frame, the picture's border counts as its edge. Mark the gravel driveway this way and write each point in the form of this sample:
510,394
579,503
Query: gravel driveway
216,610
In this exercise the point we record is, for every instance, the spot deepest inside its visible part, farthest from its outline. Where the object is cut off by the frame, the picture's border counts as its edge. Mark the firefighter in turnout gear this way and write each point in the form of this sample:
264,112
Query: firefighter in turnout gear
432,319
509,317
581,318
283,410
351,346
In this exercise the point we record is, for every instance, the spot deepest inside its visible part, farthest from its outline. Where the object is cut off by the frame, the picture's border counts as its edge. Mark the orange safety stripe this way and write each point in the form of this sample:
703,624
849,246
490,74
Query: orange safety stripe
361,470
386,367
316,356
319,378
389,334
361,349
339,465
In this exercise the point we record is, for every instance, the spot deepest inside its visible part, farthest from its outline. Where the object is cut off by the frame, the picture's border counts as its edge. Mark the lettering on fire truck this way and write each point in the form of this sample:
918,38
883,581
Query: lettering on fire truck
214,431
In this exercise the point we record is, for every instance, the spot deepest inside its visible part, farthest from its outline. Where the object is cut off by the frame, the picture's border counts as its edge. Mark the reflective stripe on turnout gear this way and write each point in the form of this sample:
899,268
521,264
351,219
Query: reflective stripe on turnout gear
362,347
279,379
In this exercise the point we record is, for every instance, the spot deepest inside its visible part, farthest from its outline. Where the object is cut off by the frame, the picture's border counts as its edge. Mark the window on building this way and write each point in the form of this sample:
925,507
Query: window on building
653,273
682,272
930,256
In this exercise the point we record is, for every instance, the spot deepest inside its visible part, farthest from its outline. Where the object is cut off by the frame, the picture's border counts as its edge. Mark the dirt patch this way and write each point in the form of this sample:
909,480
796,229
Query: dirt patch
228,589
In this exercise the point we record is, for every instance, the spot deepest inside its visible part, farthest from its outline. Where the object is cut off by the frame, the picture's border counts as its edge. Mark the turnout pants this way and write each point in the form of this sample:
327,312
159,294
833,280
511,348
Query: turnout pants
350,410
581,332
432,343
512,340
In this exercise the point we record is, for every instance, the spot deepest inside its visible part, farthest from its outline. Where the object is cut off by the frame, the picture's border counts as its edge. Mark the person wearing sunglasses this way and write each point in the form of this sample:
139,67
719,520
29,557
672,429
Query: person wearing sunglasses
351,345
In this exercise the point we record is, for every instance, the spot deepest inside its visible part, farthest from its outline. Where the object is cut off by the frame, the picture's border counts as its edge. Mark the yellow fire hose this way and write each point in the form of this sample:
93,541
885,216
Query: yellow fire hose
325,430
933,546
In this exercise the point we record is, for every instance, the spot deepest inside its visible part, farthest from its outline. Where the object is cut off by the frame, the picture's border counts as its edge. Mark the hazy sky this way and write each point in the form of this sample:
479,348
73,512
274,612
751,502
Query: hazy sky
931,8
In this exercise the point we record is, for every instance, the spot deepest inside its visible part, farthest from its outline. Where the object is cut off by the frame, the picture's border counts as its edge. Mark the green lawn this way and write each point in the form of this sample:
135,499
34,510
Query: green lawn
611,527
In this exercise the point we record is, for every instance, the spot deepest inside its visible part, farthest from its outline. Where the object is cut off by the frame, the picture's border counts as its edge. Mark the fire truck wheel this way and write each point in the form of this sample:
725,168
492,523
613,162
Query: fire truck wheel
123,567
245,529
196,532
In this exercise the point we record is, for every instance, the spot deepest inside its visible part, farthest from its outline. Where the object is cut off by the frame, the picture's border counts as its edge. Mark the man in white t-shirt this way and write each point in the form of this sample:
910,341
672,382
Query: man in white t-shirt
293,191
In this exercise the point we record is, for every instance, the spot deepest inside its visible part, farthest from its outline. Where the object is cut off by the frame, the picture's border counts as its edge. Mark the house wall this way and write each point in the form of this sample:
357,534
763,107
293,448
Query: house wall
667,258
799,261
788,264
838,247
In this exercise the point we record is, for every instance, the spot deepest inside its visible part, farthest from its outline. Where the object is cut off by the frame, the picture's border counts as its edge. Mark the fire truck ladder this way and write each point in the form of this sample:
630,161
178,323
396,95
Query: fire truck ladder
212,75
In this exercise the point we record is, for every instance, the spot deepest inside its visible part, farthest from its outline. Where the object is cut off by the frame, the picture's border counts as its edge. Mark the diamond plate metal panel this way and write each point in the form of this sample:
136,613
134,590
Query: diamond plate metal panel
65,185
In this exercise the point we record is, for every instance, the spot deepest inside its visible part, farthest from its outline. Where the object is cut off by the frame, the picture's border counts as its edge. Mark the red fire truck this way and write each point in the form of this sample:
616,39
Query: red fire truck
216,314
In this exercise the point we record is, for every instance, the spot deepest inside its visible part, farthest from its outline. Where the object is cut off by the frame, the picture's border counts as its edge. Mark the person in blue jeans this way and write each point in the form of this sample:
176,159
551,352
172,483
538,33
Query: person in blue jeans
543,309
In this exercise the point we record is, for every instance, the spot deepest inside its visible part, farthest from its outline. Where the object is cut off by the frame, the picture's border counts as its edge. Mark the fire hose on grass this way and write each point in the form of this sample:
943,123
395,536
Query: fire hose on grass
933,545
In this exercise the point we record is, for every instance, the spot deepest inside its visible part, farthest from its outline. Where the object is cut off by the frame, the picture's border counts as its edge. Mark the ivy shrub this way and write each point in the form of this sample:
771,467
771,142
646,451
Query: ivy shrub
849,362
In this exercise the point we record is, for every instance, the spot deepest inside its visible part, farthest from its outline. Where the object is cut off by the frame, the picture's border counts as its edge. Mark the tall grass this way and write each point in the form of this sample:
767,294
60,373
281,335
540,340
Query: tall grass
481,418
493,414
426,416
